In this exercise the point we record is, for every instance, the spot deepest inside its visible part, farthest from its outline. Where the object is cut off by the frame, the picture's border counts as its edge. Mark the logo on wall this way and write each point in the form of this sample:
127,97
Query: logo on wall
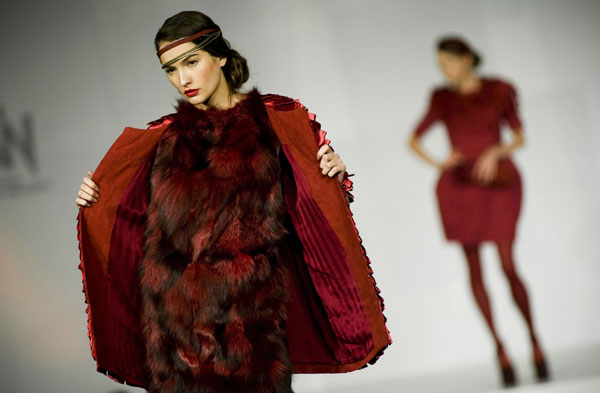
19,161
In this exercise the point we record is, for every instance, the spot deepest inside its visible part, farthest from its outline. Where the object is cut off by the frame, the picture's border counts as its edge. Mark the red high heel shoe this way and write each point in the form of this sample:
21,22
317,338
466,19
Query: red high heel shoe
541,370
539,362
509,377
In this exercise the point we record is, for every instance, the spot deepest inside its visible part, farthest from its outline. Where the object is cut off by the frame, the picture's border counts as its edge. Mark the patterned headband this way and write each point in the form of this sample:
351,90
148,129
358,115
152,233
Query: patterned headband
210,34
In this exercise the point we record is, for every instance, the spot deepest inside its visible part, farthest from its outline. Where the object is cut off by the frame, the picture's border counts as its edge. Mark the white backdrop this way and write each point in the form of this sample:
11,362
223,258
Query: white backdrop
82,70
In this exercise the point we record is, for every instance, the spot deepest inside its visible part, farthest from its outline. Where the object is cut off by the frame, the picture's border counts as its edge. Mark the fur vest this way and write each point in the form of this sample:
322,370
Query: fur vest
212,289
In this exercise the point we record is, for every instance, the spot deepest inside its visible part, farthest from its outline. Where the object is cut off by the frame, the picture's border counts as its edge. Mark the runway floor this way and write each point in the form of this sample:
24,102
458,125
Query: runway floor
573,371
579,385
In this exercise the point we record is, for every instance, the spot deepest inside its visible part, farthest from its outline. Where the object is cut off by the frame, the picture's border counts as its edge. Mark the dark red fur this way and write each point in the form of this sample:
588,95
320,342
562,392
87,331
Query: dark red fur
212,289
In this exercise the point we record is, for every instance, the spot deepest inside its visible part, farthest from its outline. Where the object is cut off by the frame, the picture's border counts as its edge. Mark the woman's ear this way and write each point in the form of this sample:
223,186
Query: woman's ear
471,60
222,61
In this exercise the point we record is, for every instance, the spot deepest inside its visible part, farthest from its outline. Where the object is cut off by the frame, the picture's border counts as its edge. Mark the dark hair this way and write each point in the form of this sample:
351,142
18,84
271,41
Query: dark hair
458,46
187,23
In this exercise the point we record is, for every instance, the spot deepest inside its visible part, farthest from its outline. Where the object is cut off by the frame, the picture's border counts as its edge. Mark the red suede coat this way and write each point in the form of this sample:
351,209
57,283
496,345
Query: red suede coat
335,313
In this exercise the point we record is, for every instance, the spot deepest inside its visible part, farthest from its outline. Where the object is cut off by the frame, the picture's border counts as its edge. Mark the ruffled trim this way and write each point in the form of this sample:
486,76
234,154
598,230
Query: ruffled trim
163,121
285,103
348,186
372,277
88,311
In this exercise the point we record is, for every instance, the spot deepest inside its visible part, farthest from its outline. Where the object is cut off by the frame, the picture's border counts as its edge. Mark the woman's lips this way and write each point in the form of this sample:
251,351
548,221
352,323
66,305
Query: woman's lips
191,92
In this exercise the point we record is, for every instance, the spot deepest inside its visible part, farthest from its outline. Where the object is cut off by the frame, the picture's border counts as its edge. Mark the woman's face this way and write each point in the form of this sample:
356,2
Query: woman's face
455,67
198,76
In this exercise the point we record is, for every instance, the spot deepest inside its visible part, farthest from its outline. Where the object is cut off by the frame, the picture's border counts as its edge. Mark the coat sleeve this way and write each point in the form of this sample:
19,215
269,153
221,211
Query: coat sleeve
431,116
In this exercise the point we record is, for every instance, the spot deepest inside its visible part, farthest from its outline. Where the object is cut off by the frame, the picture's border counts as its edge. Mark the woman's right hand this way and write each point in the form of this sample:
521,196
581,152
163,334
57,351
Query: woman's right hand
88,192
454,159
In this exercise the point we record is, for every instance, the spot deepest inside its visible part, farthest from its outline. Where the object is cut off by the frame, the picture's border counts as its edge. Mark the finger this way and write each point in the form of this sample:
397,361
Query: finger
481,176
91,183
328,166
82,203
334,171
484,174
322,151
476,170
338,163
333,163
487,178
325,162
88,190
325,158
334,158
476,173
87,197
328,156
90,175
491,174
487,174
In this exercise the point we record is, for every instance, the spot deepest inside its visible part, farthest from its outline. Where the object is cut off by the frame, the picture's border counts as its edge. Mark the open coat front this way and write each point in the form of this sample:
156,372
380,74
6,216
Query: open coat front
334,312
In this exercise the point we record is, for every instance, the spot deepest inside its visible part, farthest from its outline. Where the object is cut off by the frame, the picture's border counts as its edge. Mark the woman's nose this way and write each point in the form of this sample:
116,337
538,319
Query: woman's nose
184,77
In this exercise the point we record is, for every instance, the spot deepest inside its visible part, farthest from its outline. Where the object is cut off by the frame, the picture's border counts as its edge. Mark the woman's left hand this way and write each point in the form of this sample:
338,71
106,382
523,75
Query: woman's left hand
331,163
486,166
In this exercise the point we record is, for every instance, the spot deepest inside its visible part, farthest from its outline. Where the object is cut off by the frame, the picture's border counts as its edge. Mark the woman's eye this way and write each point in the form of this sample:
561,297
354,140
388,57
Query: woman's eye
169,71
192,62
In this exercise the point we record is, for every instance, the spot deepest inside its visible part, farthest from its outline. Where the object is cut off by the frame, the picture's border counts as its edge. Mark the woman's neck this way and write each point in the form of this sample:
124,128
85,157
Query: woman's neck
471,83
223,97
224,102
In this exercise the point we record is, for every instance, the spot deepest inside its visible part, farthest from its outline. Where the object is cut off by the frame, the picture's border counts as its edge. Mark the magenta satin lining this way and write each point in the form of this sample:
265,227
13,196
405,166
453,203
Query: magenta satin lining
327,265
126,252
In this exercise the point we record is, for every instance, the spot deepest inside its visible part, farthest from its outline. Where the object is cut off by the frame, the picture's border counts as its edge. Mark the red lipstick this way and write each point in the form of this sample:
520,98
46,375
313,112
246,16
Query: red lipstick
191,92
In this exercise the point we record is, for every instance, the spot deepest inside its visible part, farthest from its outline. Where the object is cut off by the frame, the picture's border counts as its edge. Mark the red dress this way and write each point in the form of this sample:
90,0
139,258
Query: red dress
472,213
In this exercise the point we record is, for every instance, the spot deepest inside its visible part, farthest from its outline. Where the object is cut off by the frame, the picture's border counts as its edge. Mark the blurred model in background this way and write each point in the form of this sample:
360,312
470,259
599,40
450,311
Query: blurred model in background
479,189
